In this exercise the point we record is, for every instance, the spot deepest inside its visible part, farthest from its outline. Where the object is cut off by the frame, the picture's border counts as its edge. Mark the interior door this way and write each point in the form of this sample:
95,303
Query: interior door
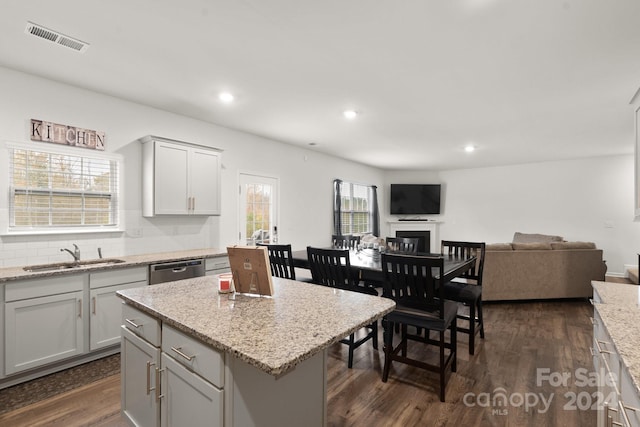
258,210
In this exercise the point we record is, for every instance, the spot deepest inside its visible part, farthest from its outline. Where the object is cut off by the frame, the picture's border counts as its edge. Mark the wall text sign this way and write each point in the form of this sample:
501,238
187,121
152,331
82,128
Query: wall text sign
66,135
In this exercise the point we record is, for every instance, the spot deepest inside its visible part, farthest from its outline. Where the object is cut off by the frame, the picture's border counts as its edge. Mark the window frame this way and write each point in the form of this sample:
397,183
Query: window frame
351,213
115,165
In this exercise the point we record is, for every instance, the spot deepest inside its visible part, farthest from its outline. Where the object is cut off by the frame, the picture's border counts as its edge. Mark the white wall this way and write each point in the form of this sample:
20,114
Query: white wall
585,200
570,198
305,176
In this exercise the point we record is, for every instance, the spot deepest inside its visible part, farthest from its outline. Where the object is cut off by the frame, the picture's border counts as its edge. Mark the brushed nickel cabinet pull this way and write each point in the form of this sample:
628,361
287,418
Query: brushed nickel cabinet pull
149,389
94,305
600,348
193,207
180,353
80,308
132,323
157,387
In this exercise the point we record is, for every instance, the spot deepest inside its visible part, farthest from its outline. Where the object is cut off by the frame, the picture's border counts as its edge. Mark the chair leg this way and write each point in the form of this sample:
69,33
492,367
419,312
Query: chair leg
403,336
351,341
480,318
374,331
387,335
454,344
442,366
472,328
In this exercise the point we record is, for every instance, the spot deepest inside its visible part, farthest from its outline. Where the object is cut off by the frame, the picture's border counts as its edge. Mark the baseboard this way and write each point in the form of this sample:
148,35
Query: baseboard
624,275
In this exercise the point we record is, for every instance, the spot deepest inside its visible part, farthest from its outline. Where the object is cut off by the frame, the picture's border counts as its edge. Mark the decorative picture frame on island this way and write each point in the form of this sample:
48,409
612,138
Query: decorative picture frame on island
251,270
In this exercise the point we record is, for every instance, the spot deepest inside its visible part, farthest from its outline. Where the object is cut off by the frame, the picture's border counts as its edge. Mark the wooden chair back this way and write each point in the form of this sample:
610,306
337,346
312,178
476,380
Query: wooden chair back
406,245
414,281
467,250
346,241
281,261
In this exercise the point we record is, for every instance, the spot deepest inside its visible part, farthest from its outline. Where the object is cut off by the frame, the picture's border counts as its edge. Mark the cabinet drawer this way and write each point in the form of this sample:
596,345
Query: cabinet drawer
204,360
35,288
119,277
141,324
217,263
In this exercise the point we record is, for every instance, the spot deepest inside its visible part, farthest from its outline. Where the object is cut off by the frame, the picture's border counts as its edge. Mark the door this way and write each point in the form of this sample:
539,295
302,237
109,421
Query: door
171,179
187,399
43,330
205,177
139,397
105,312
258,209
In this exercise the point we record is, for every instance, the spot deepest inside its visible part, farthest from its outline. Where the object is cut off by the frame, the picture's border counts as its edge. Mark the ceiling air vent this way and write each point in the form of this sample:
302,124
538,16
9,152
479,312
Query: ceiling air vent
56,37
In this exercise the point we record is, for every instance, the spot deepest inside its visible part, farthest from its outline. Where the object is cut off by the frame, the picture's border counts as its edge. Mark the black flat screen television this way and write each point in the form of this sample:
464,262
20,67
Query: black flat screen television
415,199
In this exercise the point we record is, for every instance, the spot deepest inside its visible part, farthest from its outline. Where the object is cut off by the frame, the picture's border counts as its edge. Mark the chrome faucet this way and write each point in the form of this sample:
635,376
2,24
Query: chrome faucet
75,253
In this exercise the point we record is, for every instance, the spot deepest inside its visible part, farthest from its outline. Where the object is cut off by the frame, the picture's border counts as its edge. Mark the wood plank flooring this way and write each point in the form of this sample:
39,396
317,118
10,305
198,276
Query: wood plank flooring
521,338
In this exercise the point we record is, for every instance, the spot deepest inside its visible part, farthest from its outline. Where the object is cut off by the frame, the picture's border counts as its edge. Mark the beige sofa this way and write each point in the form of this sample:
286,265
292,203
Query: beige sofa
527,269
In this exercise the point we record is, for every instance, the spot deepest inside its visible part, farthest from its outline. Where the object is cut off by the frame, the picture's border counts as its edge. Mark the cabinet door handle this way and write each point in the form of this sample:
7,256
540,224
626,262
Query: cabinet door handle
624,412
600,348
149,365
94,305
80,308
178,350
132,323
193,207
157,387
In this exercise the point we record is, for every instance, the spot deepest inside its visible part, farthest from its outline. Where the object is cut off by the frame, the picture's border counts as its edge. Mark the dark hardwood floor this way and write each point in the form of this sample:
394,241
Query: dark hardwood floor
522,340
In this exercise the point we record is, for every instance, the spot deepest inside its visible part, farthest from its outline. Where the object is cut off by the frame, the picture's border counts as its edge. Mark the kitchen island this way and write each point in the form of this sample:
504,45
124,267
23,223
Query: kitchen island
616,350
265,356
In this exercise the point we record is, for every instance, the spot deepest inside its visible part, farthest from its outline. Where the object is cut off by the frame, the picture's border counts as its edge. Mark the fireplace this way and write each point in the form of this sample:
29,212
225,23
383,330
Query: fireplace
424,238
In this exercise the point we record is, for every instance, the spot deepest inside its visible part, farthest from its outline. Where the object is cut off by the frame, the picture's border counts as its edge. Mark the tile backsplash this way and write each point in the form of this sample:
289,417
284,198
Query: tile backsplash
140,235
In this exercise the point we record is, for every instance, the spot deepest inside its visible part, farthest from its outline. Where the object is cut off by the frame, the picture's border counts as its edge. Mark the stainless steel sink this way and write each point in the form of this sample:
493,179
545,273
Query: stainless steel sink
73,265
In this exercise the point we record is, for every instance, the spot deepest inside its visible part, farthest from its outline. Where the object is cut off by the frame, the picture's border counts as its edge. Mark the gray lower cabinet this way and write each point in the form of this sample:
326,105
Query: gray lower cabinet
105,306
44,321
52,323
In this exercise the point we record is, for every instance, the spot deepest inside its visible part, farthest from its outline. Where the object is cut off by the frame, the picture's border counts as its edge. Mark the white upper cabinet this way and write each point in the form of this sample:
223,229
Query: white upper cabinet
179,178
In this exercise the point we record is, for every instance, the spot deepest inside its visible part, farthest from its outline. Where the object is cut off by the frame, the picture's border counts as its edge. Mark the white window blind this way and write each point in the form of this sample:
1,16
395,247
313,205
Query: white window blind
52,190
355,208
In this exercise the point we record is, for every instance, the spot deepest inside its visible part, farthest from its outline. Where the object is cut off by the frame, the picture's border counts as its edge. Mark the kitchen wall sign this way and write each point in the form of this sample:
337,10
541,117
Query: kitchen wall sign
66,135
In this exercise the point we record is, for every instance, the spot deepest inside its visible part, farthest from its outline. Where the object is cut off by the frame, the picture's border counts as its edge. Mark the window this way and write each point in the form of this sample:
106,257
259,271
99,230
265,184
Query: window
55,190
357,207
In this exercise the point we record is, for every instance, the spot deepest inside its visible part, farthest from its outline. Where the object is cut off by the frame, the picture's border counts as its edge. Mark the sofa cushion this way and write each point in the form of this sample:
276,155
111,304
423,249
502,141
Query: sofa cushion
534,246
535,238
499,247
573,245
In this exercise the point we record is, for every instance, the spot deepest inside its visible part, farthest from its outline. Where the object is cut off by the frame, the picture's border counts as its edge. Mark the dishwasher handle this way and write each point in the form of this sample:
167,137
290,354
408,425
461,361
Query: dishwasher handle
179,269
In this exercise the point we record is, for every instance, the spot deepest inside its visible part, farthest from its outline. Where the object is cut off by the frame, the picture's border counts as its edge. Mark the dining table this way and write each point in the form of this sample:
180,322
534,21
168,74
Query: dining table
366,264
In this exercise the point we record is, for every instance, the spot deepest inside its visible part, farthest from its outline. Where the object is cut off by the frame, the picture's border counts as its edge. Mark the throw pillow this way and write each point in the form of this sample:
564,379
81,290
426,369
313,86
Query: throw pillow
534,246
535,238
573,245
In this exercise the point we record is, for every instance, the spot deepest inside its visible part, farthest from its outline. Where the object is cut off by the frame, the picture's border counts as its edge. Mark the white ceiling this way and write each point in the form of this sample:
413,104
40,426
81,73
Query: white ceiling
522,80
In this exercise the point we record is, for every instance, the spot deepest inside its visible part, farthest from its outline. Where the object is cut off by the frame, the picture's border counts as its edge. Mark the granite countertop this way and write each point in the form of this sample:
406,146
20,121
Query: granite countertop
620,312
271,333
18,273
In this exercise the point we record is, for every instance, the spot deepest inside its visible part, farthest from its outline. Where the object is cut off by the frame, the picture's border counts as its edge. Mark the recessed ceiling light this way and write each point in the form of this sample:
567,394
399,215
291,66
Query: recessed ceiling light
226,97
350,114
469,148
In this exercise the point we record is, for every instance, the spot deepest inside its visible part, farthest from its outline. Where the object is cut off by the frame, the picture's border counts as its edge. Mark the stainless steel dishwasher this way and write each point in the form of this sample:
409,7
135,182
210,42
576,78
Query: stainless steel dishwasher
177,270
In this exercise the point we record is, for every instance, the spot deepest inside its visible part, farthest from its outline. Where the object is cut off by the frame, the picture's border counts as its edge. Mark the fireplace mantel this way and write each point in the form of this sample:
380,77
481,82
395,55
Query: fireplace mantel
431,226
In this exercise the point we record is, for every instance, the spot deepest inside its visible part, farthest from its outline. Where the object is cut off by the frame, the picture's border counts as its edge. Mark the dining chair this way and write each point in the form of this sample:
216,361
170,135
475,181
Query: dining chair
331,267
467,288
413,282
407,245
346,241
281,260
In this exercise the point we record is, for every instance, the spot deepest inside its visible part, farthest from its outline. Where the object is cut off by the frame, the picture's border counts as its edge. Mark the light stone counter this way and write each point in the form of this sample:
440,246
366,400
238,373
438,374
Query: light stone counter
619,307
273,334
18,273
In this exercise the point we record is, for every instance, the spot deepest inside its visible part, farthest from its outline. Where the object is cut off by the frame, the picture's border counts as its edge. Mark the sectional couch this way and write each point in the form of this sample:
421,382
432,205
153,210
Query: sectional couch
537,266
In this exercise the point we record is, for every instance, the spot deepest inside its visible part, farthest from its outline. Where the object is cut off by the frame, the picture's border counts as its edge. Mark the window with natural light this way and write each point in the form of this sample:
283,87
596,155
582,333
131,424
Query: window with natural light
356,208
50,191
